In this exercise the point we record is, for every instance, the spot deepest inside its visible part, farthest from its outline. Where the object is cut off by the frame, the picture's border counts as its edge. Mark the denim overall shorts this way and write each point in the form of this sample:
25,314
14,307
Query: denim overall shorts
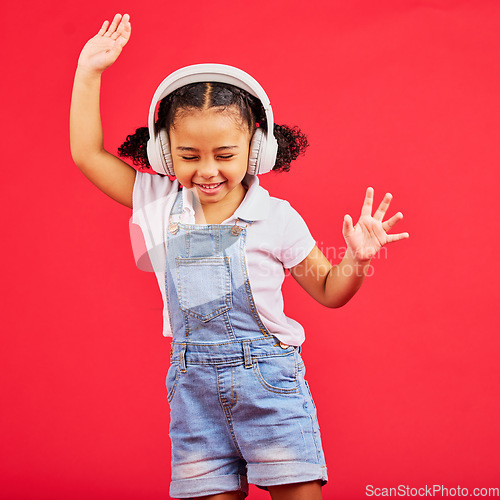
240,409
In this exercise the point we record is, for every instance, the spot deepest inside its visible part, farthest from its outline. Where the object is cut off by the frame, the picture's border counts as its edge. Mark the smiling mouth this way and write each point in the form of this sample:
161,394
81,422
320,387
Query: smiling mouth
210,186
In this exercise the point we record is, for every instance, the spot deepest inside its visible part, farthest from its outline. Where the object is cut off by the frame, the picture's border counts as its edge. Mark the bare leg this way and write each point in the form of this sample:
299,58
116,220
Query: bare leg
230,495
310,490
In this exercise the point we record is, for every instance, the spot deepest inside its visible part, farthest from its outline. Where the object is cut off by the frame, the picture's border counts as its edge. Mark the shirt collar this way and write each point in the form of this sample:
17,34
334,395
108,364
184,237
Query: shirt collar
255,204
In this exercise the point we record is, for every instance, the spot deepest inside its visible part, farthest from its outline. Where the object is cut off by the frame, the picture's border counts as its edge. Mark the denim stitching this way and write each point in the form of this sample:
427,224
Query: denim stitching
314,430
169,307
187,329
171,393
233,386
238,356
229,326
219,262
182,359
262,328
271,388
227,414
279,352
247,356
234,362
217,237
188,244
229,292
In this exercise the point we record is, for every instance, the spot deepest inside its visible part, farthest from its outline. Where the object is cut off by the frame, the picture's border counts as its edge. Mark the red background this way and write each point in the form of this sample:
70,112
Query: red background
400,95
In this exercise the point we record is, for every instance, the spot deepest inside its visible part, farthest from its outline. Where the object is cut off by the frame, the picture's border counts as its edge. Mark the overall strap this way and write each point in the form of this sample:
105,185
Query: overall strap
175,213
177,206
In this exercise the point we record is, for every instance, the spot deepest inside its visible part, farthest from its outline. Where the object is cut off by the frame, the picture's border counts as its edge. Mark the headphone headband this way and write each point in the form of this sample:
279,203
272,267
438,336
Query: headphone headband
159,153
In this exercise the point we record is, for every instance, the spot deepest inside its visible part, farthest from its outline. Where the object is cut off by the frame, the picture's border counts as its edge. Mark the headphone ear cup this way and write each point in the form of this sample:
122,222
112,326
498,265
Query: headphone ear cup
159,156
256,147
154,156
268,153
165,149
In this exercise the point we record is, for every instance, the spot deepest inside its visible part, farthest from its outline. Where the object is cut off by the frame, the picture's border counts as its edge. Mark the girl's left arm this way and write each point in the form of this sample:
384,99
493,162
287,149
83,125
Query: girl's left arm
334,286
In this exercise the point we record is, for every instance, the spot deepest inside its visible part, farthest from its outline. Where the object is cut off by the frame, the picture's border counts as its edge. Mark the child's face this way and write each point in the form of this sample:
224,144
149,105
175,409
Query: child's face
210,151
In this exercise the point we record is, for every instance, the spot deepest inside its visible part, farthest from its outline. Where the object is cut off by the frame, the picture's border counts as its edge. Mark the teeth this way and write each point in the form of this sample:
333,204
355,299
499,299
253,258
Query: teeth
209,186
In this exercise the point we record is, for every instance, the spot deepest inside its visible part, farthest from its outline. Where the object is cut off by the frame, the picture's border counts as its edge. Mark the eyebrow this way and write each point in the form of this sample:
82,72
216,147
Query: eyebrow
185,148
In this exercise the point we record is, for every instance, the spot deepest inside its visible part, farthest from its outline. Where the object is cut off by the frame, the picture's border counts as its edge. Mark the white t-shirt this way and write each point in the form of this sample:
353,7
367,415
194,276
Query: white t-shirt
278,239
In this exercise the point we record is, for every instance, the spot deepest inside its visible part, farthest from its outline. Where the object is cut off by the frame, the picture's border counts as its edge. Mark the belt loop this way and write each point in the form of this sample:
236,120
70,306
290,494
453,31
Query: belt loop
183,368
299,349
246,354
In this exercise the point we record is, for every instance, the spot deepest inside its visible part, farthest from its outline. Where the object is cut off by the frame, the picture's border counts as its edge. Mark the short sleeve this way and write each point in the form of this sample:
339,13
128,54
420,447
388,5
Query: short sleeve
297,241
152,198
149,188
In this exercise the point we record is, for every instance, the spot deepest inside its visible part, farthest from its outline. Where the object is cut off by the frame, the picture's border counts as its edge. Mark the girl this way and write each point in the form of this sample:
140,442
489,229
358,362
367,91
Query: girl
241,410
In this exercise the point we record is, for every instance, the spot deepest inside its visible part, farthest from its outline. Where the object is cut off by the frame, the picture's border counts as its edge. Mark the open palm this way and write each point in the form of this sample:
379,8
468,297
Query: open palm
102,50
369,235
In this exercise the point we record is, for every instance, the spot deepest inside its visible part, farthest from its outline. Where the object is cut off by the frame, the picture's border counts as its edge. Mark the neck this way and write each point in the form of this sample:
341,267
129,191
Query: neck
216,213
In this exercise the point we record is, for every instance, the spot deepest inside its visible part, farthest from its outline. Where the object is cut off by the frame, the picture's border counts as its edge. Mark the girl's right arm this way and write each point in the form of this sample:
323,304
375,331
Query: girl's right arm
110,174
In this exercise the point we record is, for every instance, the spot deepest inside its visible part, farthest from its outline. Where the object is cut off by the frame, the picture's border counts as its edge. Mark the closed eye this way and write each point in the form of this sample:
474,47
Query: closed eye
220,157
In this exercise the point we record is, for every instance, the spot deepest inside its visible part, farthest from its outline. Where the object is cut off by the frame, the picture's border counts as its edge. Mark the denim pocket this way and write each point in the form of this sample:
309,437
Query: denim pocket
278,374
172,379
204,286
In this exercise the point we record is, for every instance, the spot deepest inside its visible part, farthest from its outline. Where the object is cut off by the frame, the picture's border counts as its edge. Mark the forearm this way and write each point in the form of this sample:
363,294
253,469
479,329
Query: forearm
86,136
344,280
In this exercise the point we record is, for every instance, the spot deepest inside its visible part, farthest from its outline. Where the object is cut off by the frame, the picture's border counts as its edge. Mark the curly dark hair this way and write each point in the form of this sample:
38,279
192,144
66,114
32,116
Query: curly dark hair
291,141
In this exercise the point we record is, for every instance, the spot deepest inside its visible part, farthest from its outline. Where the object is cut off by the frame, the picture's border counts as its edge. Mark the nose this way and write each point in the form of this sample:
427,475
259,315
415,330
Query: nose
208,169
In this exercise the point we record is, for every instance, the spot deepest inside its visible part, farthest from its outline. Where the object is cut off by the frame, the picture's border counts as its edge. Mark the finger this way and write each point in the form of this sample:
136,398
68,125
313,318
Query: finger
126,19
368,203
123,30
114,25
347,226
127,27
103,29
396,237
389,223
382,208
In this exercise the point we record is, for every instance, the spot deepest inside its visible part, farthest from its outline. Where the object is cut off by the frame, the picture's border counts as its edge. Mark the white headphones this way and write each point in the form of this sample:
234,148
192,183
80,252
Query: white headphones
264,146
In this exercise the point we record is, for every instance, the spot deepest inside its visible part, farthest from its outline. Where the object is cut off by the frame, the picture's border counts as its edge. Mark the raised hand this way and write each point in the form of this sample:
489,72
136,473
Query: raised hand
102,50
369,235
